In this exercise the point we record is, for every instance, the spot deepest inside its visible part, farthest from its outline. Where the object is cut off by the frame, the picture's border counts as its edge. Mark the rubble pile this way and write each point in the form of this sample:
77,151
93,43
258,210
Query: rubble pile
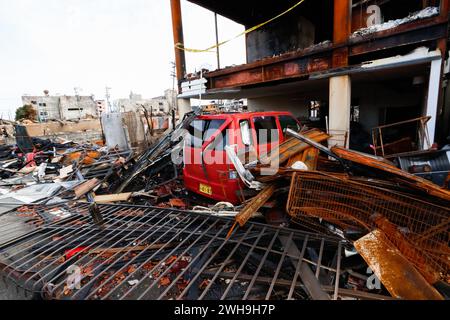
362,196
88,222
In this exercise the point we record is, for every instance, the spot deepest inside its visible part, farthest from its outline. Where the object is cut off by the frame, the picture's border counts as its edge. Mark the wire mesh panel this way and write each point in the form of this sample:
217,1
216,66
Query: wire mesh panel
153,253
419,229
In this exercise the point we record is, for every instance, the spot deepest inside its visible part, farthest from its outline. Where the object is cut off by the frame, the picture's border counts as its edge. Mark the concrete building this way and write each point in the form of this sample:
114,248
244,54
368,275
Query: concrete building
335,62
62,107
158,106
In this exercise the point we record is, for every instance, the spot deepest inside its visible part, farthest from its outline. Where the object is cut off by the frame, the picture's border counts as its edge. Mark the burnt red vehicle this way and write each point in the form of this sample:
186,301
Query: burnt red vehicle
207,169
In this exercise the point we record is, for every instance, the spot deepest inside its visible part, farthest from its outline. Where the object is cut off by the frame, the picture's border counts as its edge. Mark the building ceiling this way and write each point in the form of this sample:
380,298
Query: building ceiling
251,12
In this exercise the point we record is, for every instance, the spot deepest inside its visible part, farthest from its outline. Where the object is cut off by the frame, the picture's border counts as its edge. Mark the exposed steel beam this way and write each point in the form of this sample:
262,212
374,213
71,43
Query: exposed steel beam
290,69
177,28
341,31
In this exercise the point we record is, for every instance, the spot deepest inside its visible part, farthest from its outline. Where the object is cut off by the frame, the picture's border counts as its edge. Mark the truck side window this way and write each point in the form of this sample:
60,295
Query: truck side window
288,122
246,133
266,130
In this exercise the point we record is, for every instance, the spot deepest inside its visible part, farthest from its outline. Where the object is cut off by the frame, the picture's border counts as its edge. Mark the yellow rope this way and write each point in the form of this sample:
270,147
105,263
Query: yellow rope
180,46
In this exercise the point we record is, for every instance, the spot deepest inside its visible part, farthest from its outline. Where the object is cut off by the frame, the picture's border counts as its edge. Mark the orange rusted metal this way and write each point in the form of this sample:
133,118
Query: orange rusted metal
397,274
417,227
255,204
397,174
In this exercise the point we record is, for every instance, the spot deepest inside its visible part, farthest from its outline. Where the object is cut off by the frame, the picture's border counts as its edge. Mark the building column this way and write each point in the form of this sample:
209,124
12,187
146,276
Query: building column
184,106
441,134
340,86
339,112
434,87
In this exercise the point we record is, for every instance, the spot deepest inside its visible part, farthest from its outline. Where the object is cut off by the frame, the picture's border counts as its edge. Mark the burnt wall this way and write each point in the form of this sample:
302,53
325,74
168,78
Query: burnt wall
289,34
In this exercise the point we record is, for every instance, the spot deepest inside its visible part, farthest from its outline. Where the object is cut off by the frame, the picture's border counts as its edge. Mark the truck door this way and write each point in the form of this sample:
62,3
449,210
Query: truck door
205,157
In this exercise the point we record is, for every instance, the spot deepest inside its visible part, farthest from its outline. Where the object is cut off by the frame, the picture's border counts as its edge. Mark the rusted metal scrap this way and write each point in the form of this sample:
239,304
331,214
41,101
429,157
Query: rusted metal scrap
397,274
255,204
387,167
418,228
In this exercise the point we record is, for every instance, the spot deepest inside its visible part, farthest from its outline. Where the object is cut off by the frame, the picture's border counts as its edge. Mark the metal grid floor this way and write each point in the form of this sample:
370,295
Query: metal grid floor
153,253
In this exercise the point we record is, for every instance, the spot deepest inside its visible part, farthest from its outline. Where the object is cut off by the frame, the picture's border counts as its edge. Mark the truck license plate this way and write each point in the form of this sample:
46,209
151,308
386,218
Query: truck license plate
205,189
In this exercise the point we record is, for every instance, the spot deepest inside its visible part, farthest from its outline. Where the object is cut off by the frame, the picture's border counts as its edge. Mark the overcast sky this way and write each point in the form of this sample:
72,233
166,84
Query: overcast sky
124,44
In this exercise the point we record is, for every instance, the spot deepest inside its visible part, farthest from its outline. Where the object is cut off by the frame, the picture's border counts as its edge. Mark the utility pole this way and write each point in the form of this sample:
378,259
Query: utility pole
217,41
178,39
173,74
108,96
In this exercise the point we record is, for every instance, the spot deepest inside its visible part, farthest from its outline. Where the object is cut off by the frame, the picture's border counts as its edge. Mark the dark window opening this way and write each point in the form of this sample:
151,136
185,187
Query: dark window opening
314,111
266,130
354,114
288,122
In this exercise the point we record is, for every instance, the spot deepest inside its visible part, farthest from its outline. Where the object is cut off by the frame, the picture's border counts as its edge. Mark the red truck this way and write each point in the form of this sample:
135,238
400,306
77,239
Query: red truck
207,169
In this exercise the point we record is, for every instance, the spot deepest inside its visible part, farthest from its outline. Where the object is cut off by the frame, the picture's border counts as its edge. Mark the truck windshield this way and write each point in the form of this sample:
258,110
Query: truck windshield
202,130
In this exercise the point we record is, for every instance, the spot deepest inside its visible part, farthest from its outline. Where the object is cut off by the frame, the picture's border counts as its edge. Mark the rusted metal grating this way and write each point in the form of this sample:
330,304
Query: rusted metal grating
154,253
419,229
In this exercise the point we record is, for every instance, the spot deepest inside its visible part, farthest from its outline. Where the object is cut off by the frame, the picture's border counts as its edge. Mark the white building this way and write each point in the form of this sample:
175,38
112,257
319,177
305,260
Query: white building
62,107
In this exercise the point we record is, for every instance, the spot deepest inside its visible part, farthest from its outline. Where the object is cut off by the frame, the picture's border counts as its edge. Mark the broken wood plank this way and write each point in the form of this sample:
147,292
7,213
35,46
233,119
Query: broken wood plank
397,274
291,147
255,204
86,187
108,198
311,158
294,159
65,171
26,170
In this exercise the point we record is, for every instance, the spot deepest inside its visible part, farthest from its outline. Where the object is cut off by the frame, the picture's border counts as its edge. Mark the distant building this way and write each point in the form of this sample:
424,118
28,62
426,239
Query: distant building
62,107
158,105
